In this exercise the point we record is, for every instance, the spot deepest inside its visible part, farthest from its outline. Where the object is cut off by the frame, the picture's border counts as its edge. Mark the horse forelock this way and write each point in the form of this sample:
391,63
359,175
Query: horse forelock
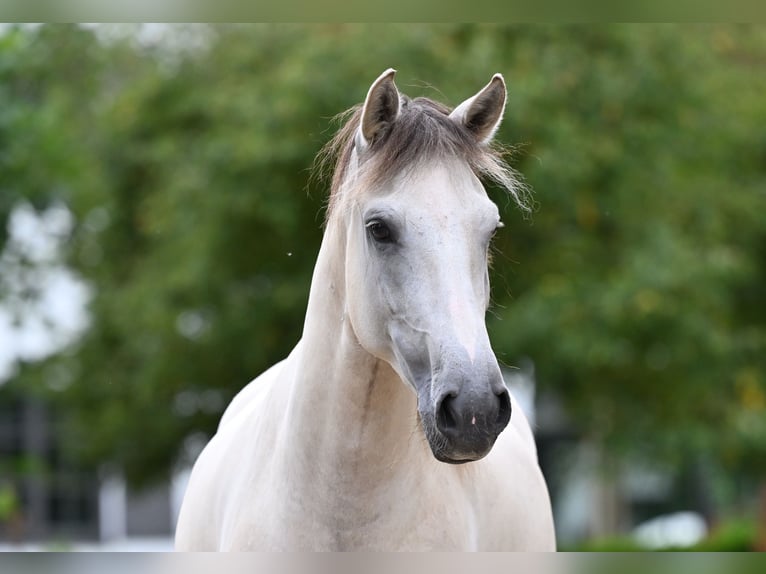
423,131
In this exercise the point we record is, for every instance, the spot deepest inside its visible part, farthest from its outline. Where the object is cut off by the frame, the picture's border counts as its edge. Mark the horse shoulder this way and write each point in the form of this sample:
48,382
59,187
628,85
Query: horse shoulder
217,484
515,489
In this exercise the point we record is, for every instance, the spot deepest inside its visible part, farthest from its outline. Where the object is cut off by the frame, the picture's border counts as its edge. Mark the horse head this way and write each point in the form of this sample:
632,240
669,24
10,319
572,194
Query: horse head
418,225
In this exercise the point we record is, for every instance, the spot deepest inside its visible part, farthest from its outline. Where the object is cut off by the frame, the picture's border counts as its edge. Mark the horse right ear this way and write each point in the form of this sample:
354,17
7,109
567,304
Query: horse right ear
381,108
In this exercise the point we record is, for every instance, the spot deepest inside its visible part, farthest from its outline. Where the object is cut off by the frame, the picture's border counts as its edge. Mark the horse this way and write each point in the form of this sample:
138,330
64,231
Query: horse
389,425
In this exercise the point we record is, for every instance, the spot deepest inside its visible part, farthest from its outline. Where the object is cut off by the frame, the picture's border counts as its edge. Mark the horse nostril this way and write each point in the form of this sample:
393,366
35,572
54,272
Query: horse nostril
446,417
504,410
459,413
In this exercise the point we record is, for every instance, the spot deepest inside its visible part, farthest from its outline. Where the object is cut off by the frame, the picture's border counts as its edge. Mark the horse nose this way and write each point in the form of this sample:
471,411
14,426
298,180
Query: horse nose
465,413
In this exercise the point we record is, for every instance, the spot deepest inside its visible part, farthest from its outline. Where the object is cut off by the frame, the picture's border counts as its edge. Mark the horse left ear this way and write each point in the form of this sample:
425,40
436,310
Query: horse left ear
381,108
482,113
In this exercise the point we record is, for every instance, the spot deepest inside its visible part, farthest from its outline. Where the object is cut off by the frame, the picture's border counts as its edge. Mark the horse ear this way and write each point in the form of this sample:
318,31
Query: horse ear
482,113
381,107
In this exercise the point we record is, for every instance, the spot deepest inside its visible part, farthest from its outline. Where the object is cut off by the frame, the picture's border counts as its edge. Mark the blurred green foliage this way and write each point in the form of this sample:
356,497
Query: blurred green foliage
9,502
637,287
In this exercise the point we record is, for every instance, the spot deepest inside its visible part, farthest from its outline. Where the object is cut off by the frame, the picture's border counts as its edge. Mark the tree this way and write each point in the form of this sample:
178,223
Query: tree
635,287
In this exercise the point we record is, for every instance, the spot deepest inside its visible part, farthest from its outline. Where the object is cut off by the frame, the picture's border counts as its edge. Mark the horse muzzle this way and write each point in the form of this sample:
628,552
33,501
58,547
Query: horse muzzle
463,425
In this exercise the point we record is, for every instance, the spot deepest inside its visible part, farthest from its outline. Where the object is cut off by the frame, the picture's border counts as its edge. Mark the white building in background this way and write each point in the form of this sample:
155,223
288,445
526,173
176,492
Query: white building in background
58,505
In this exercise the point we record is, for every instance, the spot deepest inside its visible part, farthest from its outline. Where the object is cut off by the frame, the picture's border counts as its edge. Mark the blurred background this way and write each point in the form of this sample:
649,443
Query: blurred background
159,225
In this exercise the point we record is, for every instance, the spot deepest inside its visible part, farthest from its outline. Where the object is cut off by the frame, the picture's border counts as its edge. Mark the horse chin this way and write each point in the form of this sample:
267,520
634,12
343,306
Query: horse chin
441,457
451,456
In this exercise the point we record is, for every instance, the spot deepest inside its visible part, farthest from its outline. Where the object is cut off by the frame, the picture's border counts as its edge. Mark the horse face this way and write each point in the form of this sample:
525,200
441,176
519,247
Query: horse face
417,295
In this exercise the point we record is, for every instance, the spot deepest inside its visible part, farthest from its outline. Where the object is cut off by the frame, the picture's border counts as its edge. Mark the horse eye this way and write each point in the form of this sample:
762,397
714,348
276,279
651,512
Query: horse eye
379,231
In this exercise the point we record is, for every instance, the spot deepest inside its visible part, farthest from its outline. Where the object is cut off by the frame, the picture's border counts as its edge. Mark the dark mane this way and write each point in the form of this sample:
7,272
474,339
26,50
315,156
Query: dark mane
422,131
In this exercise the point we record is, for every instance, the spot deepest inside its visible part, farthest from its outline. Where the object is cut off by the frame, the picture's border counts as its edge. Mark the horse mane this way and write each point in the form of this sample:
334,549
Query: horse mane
422,131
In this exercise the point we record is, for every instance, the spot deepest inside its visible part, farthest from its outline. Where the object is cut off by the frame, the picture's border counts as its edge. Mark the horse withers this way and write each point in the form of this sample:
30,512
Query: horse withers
389,426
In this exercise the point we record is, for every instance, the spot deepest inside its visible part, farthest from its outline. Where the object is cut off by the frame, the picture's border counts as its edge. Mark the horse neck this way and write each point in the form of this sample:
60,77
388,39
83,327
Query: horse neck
346,407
